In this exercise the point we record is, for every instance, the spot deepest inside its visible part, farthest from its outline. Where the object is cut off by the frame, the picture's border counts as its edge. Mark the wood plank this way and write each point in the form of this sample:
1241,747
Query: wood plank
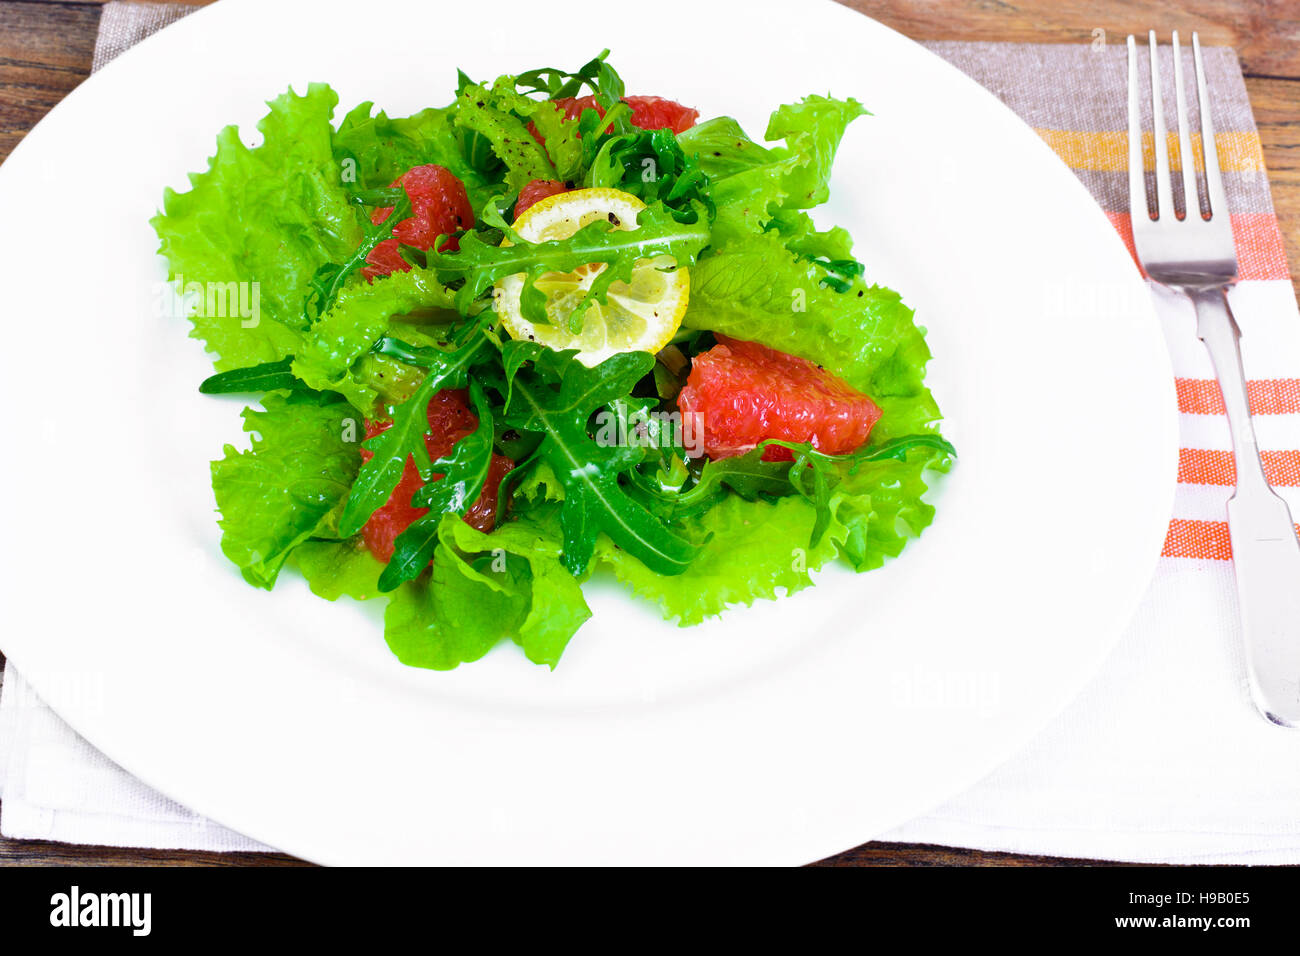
1277,113
45,51
1266,33
46,853
923,854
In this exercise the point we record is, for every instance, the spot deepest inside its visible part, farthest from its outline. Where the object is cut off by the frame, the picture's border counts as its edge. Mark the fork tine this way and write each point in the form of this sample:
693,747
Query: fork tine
1137,189
1164,186
1218,199
1191,201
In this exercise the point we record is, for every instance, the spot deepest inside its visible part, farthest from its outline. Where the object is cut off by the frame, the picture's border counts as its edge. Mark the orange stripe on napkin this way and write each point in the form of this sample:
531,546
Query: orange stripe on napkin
1199,539
1204,466
1268,396
1239,152
1261,253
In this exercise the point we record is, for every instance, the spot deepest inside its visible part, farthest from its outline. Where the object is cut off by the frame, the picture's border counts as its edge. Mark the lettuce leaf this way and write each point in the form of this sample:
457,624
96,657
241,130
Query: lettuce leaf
271,215
759,291
749,183
500,115
290,485
337,568
359,317
374,150
758,549
482,589
761,549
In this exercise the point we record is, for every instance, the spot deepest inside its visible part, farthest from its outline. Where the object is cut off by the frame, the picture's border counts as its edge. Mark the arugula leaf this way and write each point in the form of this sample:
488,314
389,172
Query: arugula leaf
652,166
463,473
827,472
330,278
406,437
657,233
289,486
557,84
267,217
267,377
594,500
747,475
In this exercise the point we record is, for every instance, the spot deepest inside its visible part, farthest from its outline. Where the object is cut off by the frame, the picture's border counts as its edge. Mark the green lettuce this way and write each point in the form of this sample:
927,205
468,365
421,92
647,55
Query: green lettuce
749,183
266,217
764,548
290,485
374,150
337,568
361,315
485,588
759,291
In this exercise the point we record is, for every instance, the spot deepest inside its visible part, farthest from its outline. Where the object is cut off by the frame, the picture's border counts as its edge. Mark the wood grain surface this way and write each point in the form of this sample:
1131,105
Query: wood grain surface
46,49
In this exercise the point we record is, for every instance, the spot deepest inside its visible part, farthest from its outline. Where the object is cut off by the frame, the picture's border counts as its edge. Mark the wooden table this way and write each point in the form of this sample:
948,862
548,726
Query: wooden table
46,48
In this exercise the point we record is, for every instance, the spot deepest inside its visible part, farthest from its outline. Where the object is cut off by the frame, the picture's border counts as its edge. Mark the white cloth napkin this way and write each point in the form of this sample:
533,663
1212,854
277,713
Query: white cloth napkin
56,786
1162,759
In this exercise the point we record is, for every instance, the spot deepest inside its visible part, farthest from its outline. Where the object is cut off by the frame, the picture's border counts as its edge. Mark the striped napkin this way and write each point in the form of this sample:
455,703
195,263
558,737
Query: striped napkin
1162,758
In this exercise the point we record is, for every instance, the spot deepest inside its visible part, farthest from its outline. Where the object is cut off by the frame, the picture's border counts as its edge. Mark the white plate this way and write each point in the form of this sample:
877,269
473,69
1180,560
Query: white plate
780,733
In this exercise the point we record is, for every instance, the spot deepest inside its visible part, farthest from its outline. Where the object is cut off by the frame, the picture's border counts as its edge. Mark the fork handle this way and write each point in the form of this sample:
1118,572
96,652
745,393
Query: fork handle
1265,549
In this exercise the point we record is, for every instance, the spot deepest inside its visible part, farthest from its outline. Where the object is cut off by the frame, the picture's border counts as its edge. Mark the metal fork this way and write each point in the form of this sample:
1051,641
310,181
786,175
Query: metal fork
1195,255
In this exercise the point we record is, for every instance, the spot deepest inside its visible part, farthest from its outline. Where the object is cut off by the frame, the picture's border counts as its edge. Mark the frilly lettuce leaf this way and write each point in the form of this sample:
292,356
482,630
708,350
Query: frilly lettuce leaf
289,486
270,215
759,291
749,183
359,317
761,549
383,148
500,115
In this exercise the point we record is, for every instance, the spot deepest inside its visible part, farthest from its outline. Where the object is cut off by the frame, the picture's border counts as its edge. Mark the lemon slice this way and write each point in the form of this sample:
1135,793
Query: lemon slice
641,315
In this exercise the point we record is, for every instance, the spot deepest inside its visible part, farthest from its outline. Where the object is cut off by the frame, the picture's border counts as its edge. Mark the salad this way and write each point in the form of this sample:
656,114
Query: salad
548,332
